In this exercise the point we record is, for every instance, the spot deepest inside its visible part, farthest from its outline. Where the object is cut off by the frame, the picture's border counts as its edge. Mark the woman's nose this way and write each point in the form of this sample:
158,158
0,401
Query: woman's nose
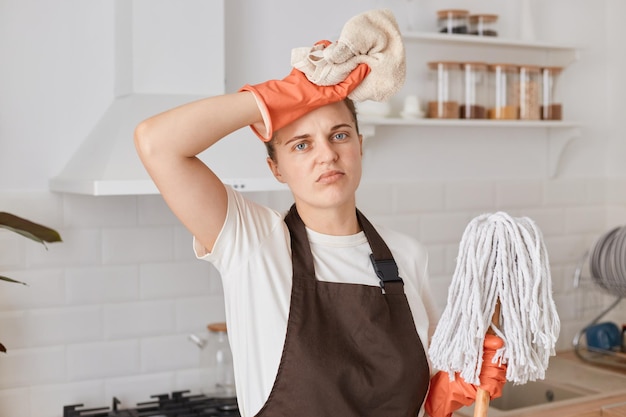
326,152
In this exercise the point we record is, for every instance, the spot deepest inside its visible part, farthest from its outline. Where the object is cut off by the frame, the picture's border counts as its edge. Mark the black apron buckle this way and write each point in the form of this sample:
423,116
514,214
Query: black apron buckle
386,270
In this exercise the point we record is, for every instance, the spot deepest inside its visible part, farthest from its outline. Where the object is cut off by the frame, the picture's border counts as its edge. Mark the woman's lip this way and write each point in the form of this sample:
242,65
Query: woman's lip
329,176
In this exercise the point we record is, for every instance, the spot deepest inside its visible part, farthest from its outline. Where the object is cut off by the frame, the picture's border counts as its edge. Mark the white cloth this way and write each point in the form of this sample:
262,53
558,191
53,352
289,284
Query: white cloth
372,37
253,255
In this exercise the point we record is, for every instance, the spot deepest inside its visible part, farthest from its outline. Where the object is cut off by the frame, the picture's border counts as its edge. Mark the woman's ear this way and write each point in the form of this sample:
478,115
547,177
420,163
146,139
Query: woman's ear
361,143
274,168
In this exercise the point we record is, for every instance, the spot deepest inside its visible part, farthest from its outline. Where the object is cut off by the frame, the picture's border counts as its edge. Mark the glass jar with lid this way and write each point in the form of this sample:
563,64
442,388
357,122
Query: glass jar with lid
453,21
529,92
217,357
483,24
551,109
445,80
474,85
503,92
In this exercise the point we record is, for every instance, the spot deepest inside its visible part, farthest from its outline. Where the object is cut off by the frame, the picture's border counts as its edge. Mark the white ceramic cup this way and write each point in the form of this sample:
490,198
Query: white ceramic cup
411,105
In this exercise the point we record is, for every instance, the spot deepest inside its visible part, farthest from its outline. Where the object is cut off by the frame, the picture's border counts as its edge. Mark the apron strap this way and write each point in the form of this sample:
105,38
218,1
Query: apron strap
300,248
381,257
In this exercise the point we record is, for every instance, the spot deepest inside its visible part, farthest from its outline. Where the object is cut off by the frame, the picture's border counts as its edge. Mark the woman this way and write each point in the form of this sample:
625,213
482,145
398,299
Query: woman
327,315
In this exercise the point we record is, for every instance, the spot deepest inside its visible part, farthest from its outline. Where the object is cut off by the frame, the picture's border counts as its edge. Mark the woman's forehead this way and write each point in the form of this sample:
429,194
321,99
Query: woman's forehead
326,117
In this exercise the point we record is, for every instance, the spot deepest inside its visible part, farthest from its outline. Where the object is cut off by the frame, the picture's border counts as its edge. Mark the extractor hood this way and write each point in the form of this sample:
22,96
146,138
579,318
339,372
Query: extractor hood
106,163
167,53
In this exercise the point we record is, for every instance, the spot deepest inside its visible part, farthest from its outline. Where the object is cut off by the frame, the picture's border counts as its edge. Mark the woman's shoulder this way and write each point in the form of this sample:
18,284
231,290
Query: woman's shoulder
400,240
248,224
242,205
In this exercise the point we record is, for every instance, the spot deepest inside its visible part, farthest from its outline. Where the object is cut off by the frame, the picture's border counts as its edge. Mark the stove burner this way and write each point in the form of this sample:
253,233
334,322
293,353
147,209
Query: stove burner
176,404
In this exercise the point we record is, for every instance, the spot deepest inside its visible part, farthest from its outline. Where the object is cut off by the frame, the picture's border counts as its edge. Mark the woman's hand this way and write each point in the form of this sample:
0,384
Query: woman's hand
283,101
446,396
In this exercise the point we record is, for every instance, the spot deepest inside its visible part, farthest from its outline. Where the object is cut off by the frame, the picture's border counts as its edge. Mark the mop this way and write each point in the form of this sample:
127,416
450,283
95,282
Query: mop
501,284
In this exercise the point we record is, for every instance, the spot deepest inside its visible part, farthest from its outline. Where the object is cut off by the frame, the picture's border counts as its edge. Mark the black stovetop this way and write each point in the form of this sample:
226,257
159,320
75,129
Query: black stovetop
175,404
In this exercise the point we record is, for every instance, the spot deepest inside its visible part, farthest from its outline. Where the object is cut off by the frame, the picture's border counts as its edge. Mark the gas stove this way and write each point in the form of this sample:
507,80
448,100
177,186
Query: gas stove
175,404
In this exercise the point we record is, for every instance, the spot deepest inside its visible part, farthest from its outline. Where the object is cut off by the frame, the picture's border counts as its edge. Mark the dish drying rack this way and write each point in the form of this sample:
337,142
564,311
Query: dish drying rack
607,265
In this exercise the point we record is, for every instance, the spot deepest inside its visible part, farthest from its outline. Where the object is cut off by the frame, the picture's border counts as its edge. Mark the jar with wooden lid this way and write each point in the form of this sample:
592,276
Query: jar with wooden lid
474,86
445,80
453,21
529,92
551,108
483,24
503,92
218,360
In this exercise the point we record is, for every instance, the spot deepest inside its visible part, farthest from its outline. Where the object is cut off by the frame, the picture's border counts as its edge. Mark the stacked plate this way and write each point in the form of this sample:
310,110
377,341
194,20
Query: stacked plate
608,261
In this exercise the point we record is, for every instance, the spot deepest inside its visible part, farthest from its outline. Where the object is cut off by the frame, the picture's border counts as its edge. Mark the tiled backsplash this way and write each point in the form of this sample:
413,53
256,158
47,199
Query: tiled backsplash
107,311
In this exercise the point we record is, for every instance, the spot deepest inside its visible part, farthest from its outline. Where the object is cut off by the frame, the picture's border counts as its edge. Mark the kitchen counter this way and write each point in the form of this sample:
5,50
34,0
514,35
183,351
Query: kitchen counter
598,391
570,354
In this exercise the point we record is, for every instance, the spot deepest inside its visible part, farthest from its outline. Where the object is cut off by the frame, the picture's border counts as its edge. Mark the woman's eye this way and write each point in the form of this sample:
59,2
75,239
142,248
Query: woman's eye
340,136
300,146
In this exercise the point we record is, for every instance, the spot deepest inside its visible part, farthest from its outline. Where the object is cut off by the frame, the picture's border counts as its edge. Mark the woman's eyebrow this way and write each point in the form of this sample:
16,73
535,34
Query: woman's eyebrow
294,138
341,125
306,135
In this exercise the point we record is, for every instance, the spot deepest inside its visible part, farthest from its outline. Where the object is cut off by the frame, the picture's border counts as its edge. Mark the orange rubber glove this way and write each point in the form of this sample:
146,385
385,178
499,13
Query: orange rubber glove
445,396
283,101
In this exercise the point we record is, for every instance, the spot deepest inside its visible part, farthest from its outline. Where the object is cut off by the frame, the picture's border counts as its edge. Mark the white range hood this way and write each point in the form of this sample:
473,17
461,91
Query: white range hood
167,52
106,163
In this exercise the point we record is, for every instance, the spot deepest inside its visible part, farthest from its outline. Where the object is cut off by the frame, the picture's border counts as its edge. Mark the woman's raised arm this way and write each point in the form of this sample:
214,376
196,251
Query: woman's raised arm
168,143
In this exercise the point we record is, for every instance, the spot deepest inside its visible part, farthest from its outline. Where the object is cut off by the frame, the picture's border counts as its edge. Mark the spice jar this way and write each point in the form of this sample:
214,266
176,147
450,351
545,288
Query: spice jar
446,90
503,92
474,85
550,108
529,92
483,24
452,21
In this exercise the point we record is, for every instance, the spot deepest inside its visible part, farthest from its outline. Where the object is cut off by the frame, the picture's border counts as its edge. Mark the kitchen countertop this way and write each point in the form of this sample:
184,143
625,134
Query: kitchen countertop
604,391
570,354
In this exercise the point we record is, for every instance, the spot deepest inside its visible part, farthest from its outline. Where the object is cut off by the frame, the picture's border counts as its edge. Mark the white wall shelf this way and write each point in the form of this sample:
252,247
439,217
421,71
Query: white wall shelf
555,53
489,41
559,133
393,121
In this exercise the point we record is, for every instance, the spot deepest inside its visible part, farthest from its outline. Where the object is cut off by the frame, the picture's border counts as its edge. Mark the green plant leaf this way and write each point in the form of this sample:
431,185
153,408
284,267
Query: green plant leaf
12,280
30,230
26,228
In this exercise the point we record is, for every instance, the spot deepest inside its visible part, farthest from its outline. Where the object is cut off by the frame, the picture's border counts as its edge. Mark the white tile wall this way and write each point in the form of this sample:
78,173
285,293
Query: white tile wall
107,312
46,288
102,284
86,361
414,197
16,402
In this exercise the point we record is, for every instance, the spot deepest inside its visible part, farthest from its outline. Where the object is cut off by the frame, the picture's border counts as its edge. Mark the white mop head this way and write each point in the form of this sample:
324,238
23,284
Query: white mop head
500,258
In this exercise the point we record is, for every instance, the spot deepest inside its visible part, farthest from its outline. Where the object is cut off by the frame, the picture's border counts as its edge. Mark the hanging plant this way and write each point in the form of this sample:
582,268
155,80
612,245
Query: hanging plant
30,230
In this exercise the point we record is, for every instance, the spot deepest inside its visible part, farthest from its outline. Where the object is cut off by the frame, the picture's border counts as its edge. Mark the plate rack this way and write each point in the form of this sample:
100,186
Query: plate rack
582,350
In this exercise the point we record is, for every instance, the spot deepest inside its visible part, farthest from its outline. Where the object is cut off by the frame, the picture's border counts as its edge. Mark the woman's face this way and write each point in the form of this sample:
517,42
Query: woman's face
319,157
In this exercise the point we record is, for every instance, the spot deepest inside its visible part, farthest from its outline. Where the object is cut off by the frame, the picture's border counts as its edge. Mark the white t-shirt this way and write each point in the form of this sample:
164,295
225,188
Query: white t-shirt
253,255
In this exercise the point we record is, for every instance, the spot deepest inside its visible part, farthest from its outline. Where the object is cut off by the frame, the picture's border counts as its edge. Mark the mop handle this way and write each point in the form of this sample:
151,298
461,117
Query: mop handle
482,403
481,406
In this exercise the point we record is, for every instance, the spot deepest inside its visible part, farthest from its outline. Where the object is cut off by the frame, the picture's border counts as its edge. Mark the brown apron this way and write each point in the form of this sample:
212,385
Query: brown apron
351,350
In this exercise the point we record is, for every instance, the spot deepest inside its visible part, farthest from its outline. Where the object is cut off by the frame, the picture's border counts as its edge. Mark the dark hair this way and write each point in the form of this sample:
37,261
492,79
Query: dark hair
269,145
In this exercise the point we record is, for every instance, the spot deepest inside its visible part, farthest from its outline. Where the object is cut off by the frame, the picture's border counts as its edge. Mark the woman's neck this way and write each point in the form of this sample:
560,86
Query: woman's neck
330,221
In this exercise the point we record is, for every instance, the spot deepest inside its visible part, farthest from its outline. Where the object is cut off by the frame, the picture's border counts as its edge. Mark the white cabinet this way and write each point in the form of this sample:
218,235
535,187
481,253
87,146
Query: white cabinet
424,47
